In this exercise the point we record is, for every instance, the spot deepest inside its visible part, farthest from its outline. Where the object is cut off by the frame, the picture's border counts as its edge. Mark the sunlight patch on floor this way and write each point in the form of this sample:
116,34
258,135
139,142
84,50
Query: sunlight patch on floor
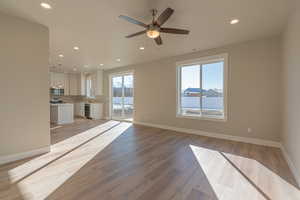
57,150
230,182
258,174
58,172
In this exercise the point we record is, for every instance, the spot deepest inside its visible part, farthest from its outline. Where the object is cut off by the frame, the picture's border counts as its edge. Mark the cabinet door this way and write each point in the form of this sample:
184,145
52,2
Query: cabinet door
58,80
79,109
99,83
60,77
82,113
55,79
51,79
73,84
94,85
96,111
66,84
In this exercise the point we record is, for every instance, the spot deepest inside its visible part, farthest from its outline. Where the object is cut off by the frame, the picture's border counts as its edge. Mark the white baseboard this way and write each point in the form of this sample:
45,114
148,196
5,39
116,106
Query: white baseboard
215,135
293,168
20,156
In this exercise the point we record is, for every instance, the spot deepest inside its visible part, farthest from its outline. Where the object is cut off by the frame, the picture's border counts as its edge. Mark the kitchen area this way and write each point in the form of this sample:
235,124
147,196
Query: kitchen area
75,95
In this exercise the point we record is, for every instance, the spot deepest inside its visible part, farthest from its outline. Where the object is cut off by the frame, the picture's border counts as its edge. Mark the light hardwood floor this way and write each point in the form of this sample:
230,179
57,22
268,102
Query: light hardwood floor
118,160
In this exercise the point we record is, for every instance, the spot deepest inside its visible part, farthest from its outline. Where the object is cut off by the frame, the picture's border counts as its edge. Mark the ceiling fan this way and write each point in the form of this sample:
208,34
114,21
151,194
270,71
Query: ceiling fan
154,29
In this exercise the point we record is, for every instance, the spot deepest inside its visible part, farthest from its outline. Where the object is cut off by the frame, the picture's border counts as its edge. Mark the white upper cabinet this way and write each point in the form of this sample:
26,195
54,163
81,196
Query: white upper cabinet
74,84
51,79
82,84
67,84
60,80
99,83
92,84
57,80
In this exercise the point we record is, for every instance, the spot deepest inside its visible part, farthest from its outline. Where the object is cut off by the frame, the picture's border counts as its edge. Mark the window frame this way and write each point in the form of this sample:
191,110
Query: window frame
89,78
110,76
200,61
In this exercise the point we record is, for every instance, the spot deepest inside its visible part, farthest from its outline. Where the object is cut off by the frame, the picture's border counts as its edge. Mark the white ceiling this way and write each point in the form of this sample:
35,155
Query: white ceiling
94,26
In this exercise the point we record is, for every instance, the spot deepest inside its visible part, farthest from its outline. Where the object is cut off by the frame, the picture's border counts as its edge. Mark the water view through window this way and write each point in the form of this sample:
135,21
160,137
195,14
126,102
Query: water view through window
201,90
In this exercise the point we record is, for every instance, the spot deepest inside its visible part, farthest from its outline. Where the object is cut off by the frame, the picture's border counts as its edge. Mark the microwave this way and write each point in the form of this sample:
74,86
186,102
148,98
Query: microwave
57,91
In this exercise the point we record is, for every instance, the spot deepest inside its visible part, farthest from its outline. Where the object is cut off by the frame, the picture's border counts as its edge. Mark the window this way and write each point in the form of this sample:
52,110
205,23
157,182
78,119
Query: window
89,92
201,87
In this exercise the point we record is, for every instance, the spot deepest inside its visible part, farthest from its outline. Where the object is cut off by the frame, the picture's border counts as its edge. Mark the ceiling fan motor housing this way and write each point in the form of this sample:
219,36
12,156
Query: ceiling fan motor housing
154,27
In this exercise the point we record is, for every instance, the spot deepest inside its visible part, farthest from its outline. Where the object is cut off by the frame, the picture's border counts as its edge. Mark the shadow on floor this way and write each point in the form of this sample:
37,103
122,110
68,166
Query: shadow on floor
113,160
62,132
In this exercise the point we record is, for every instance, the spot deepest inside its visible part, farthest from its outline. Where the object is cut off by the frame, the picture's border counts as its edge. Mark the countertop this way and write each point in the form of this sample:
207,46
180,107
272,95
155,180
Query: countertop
61,104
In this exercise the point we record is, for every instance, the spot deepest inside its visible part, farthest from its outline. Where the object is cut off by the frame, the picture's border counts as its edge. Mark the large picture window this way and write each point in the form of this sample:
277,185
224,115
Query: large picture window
202,88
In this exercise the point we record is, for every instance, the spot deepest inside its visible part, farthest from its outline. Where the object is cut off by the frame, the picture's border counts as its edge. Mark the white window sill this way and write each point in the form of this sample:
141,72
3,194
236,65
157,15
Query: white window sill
216,119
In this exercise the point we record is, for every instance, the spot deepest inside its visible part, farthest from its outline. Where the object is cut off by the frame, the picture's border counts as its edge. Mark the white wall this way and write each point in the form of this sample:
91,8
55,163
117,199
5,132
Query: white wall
291,73
254,83
24,86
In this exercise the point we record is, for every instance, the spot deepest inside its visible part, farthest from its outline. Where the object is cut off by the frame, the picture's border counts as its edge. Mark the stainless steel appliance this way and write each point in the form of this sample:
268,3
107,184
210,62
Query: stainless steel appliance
55,100
87,110
57,91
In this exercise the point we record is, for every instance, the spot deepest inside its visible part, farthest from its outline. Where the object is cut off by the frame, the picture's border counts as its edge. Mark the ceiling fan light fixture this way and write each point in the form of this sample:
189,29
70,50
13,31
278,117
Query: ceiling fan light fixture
153,33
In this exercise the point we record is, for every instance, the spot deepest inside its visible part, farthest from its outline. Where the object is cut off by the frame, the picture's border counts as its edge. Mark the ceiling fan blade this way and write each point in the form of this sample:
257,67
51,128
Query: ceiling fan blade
164,16
174,31
136,34
158,40
131,20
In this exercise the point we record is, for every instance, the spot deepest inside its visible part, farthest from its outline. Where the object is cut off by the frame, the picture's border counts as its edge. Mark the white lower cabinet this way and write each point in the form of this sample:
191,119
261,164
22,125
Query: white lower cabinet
79,109
96,110
73,84
61,113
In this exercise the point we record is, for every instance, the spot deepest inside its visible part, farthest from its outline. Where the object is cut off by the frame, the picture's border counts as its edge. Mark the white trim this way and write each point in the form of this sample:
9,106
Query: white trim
201,118
203,60
20,156
214,135
107,118
291,164
233,138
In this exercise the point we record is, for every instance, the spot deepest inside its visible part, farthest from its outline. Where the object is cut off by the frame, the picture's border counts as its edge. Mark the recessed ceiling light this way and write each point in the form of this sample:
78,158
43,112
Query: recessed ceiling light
101,64
234,21
45,5
118,60
76,48
142,48
61,55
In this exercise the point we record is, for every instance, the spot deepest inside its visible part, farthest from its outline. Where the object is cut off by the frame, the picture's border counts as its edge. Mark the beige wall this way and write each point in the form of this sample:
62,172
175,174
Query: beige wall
254,86
24,101
291,72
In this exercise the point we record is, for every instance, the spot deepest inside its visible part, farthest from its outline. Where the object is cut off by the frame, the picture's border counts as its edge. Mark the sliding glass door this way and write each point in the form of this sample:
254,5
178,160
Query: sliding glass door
122,96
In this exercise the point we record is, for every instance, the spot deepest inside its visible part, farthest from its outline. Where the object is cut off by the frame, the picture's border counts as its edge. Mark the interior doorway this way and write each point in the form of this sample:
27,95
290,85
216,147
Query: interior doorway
121,96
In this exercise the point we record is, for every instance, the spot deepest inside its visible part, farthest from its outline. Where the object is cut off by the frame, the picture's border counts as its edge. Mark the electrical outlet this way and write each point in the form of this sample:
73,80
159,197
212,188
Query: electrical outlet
249,130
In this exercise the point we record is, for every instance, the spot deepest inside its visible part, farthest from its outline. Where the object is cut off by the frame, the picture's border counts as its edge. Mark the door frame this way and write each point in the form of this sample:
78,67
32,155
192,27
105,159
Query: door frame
123,73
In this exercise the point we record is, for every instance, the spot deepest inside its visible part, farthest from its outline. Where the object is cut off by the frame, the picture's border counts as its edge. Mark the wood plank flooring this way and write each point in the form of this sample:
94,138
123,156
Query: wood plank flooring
118,160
